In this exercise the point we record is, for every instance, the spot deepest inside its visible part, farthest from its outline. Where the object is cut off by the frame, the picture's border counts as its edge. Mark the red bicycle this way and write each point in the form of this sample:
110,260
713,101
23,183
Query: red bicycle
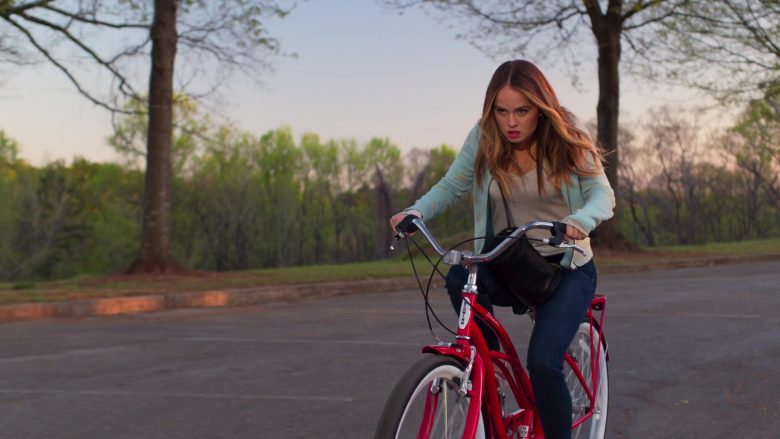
464,390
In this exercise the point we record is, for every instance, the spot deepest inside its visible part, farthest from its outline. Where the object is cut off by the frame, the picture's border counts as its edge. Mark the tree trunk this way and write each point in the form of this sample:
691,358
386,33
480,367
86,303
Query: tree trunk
384,210
155,255
607,33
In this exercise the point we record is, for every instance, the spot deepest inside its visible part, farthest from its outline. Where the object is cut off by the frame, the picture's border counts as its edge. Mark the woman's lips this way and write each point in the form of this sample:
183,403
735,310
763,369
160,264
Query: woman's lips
513,134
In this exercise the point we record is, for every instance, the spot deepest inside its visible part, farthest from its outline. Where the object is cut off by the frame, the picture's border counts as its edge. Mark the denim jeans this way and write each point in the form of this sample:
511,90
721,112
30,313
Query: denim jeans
556,322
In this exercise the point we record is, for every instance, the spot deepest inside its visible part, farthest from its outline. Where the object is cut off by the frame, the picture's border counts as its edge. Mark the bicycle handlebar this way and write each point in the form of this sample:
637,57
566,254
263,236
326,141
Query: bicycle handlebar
411,224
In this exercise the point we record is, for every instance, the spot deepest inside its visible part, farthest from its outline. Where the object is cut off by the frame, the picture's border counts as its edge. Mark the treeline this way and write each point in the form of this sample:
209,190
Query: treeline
686,185
240,201
245,201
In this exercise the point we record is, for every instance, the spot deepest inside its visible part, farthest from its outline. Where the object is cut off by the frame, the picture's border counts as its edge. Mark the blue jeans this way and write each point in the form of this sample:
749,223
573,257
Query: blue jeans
556,322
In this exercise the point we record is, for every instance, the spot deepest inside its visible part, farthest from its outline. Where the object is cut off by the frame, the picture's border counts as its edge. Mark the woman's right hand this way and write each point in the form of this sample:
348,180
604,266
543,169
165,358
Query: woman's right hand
397,218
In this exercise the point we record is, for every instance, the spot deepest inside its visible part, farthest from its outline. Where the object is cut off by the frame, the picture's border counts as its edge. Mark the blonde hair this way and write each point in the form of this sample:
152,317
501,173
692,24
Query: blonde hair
562,149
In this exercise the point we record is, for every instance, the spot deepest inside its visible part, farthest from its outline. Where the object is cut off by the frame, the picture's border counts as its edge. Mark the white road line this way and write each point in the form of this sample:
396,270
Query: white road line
686,315
206,339
177,395
59,355
300,341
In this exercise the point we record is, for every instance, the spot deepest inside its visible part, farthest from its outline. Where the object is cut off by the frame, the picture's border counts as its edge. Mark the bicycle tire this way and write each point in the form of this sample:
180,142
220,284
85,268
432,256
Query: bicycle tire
595,427
403,414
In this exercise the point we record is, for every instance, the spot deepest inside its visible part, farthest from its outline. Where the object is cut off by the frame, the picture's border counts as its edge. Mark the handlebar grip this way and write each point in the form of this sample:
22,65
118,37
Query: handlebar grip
558,233
406,225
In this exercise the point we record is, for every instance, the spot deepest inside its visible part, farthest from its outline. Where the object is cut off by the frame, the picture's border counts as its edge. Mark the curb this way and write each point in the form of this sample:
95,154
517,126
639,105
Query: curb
282,293
202,299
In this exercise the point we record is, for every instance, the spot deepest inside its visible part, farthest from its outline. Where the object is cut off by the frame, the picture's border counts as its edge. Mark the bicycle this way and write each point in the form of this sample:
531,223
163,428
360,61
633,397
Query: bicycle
464,390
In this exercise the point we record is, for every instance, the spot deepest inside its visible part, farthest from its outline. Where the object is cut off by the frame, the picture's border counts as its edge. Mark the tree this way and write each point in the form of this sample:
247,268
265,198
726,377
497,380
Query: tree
155,254
387,174
754,146
191,130
673,142
225,33
9,148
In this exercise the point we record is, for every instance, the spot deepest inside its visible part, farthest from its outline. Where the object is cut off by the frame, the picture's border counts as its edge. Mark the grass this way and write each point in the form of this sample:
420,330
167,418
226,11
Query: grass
86,287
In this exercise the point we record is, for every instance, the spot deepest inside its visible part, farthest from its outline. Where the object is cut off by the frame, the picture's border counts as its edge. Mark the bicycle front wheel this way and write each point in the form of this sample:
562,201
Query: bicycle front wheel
580,350
426,404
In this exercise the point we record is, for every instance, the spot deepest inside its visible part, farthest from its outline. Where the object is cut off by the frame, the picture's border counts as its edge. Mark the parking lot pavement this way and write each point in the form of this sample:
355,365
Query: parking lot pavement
694,353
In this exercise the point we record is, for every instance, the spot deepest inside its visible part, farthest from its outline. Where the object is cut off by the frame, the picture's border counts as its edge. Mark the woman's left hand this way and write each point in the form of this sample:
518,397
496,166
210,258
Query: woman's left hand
573,233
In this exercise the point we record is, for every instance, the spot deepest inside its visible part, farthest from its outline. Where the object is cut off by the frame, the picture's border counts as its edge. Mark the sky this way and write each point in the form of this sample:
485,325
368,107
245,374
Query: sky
360,71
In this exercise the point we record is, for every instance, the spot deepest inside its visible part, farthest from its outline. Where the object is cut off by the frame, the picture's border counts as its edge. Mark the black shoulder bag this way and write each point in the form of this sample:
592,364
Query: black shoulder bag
528,275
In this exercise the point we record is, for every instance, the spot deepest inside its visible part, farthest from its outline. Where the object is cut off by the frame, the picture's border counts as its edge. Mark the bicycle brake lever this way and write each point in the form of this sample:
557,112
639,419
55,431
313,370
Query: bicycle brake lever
398,236
576,247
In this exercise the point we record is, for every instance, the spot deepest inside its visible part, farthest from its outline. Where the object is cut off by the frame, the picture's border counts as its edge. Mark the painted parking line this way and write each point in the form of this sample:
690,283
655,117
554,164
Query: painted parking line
686,315
60,355
298,341
113,393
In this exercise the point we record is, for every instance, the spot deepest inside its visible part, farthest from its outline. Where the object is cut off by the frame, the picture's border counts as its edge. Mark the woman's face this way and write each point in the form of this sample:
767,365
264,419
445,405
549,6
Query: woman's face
516,117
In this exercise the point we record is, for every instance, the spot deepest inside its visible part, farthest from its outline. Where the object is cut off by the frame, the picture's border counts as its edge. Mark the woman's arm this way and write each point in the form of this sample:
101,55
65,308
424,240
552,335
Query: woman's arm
598,203
456,182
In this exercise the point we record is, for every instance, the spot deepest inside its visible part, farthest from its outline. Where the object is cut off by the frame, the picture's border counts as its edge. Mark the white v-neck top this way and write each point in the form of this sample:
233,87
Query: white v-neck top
525,204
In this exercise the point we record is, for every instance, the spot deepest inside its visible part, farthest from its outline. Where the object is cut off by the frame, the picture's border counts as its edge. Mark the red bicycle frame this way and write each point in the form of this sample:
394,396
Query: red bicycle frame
471,349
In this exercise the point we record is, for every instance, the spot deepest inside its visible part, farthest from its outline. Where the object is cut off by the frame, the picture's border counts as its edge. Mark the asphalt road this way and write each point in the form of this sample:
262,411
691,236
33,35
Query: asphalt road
695,353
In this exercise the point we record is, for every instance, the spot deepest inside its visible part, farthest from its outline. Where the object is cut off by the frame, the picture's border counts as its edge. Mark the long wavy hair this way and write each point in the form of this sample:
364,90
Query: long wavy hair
562,149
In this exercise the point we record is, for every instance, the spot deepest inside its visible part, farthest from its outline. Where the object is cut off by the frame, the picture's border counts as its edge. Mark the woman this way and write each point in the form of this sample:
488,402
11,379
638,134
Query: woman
529,149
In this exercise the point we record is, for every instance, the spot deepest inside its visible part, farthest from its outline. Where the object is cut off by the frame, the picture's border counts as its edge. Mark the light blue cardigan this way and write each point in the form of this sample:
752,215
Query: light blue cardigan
591,200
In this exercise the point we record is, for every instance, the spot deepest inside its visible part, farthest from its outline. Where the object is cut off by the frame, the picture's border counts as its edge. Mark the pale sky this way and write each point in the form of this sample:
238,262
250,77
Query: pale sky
361,71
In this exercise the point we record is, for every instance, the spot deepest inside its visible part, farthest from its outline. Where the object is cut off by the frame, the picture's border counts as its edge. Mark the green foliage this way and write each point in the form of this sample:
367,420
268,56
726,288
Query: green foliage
60,221
243,201
190,128
9,148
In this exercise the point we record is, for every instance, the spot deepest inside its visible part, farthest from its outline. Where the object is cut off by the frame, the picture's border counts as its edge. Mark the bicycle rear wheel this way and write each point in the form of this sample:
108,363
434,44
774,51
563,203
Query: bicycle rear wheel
426,404
580,350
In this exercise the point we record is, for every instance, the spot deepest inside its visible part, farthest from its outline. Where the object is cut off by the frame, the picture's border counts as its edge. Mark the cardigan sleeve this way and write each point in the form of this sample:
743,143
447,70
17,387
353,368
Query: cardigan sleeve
456,182
597,202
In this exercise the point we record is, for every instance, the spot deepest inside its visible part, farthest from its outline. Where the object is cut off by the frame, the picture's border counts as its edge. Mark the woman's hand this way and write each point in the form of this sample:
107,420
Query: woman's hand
398,217
573,233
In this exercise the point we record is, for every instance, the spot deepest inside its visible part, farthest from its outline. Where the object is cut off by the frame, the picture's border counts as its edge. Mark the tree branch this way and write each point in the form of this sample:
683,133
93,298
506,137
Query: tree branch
124,85
95,22
657,19
7,12
759,34
62,68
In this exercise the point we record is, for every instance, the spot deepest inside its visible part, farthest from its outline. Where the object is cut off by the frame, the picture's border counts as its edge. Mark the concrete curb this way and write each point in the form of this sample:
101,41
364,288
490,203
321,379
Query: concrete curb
259,295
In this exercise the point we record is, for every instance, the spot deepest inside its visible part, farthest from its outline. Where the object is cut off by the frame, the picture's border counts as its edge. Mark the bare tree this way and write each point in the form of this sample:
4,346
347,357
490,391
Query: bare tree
673,141
634,179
